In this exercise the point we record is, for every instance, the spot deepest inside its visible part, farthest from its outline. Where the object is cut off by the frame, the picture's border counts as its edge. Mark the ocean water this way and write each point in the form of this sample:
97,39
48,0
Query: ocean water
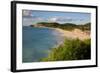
37,43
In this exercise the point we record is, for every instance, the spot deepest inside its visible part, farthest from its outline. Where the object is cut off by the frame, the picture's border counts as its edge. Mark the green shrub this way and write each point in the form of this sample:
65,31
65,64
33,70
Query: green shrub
70,50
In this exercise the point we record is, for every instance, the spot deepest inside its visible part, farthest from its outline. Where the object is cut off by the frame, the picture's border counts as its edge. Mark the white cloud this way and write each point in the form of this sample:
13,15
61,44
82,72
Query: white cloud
61,19
52,19
31,20
27,13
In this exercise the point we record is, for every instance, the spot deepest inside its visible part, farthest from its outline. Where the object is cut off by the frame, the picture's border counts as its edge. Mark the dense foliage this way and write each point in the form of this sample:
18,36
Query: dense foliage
65,26
74,49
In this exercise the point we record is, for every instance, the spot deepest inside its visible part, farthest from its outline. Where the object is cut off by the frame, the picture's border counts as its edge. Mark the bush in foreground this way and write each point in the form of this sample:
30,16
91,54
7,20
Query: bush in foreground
70,50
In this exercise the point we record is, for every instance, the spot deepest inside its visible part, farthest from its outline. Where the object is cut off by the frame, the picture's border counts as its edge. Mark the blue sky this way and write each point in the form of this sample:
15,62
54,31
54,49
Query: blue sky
33,16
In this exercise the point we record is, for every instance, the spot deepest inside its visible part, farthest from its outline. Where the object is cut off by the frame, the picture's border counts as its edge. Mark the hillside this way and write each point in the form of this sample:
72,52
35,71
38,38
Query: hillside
65,26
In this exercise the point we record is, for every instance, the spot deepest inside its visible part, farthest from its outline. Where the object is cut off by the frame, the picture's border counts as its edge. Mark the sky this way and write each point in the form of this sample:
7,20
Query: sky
30,17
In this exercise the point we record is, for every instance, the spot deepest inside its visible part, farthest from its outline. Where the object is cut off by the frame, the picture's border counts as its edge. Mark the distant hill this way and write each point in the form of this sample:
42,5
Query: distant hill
65,26
87,24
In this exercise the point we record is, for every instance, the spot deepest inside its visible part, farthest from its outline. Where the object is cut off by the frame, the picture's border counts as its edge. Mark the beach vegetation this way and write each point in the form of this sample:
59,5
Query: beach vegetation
71,49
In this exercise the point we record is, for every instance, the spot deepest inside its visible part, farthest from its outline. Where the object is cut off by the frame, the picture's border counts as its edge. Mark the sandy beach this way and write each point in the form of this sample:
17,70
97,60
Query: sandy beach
76,33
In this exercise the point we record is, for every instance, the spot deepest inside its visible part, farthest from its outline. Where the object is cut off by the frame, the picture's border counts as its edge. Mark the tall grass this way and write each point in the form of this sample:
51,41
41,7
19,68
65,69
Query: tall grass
74,49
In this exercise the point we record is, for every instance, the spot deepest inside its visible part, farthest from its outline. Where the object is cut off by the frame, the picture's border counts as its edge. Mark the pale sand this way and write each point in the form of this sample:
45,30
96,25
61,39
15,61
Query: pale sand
76,33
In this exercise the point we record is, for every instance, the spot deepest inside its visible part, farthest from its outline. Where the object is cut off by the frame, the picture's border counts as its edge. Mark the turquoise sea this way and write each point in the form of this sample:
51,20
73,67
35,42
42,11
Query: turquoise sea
37,43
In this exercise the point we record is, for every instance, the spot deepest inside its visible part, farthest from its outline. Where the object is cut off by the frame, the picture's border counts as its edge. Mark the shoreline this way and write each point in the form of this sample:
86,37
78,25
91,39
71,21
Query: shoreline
75,33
